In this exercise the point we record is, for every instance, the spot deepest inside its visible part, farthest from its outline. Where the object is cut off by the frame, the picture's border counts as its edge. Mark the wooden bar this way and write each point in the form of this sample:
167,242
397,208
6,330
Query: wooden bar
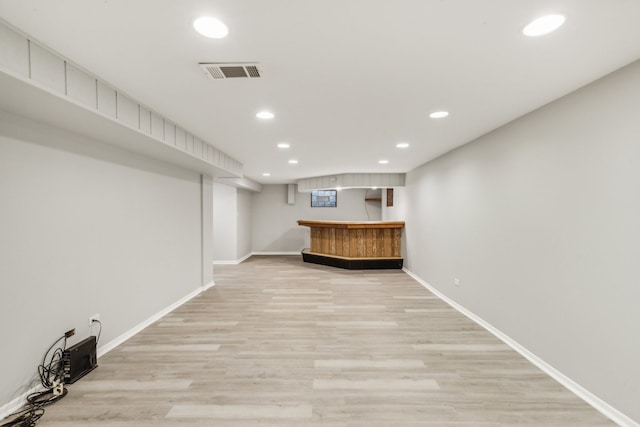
355,244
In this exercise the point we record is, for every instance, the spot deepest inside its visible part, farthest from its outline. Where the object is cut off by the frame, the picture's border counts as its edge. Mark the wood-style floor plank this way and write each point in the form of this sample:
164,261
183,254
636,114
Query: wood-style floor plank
281,343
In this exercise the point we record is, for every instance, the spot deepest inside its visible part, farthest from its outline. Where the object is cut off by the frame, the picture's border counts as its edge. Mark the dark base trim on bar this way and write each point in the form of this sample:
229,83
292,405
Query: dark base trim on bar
353,263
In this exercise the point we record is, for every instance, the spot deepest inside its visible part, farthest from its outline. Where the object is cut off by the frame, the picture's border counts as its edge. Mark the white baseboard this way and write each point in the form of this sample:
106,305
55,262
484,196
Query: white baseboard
593,400
232,262
19,401
244,258
276,253
131,332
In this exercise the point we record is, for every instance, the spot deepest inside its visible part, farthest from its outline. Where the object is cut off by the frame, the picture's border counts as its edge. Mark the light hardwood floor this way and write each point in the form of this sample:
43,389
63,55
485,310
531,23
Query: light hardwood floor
279,342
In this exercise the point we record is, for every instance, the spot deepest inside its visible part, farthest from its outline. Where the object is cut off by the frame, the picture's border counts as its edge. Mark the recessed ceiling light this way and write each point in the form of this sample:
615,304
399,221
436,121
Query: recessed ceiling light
402,145
283,145
266,115
210,27
383,162
439,114
266,174
293,162
543,25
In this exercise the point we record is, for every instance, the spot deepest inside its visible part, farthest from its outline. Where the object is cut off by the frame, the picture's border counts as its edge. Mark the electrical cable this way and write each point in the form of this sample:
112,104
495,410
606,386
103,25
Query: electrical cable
99,332
51,373
27,417
47,397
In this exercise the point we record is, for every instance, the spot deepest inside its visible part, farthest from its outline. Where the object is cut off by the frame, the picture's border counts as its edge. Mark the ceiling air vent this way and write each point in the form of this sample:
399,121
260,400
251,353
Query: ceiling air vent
223,70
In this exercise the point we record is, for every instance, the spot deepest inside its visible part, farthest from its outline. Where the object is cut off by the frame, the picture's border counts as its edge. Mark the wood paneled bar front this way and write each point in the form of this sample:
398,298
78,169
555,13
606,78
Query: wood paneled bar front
355,244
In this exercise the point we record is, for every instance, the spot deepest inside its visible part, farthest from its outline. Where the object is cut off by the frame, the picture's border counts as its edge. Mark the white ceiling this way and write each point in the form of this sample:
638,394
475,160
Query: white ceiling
346,79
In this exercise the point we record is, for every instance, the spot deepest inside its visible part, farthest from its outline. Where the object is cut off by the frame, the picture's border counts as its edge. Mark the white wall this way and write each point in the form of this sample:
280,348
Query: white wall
540,221
397,212
231,223
206,232
244,200
274,222
87,228
224,222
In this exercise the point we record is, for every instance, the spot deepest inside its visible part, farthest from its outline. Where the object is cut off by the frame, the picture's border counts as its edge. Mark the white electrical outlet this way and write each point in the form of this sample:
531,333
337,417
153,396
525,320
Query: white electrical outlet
94,317
456,281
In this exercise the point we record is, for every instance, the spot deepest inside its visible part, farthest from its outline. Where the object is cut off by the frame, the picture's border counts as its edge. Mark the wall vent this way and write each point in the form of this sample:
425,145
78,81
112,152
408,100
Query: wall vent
226,70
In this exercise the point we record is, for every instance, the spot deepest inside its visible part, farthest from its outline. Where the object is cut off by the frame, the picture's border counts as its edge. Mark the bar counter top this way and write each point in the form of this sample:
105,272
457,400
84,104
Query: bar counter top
355,244
351,224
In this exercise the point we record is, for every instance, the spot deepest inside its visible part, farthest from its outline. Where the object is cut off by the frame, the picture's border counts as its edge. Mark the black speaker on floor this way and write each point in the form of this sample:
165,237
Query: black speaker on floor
79,359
